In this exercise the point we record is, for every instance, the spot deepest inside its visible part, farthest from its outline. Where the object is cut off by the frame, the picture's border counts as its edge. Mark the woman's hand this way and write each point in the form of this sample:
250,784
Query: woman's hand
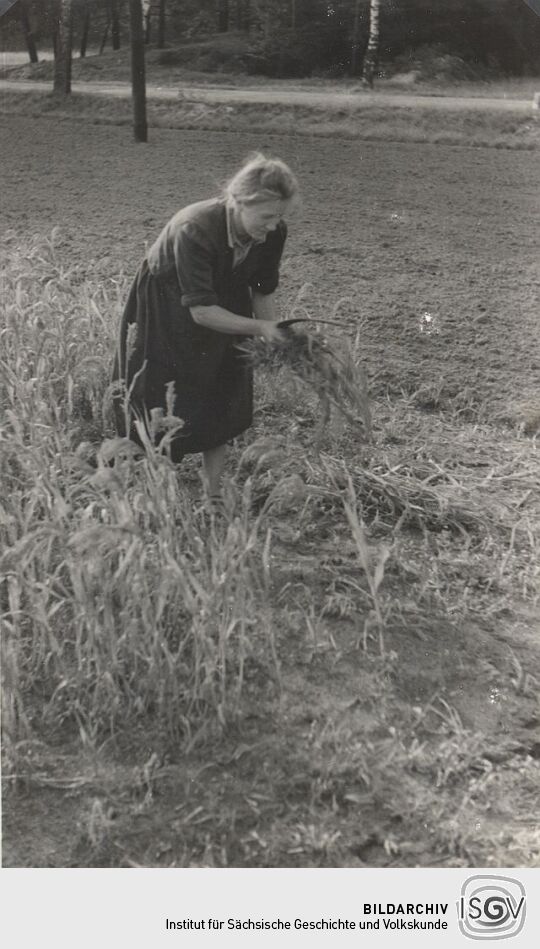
270,332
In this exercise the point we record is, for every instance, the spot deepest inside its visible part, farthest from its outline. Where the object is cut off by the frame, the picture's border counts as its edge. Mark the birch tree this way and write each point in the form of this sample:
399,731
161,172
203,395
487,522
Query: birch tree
372,51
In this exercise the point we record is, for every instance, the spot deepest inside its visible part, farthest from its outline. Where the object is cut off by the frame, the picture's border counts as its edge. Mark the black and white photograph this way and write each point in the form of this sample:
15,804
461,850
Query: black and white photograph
269,434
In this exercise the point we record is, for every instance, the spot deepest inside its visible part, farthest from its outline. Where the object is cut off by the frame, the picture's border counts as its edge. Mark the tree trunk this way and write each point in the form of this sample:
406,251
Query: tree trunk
293,14
115,24
223,16
355,38
64,40
69,44
161,24
372,51
147,20
85,30
54,14
138,78
27,30
243,15
105,37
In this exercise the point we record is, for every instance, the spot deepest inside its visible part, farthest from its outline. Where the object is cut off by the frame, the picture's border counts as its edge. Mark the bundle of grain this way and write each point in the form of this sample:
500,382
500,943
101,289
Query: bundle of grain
334,377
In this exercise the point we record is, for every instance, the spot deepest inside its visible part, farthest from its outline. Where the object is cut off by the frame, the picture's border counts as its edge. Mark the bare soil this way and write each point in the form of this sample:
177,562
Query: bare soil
305,779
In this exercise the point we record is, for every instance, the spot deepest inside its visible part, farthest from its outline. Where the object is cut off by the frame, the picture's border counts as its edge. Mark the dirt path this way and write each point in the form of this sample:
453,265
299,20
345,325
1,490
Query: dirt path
326,100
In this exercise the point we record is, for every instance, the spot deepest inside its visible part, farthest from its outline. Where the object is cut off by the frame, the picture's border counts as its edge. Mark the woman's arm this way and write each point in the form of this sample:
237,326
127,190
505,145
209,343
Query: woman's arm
223,321
264,306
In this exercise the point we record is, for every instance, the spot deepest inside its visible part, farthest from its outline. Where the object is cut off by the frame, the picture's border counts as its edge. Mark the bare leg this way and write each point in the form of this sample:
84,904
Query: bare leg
213,464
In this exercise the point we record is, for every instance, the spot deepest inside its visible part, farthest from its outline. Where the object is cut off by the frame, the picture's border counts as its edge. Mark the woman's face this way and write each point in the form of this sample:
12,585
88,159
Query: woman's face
256,220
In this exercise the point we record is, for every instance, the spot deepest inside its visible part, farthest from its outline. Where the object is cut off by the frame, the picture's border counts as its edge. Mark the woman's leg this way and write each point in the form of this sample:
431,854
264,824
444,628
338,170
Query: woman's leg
213,464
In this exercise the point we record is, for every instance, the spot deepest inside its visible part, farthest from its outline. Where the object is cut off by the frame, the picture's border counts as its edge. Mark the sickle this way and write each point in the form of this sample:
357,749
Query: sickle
304,319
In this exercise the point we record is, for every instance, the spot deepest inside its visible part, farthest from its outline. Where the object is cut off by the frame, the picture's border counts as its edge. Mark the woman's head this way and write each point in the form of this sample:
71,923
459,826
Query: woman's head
261,192
261,179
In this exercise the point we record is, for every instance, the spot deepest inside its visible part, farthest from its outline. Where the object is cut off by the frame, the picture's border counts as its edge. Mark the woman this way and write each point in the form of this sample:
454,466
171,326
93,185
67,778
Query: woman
207,282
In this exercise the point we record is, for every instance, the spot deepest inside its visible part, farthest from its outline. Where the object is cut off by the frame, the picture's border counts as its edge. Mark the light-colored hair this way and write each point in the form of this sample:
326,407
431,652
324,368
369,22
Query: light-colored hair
262,179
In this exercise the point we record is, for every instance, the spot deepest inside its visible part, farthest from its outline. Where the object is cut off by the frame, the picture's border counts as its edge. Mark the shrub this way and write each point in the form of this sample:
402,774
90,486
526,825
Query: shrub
291,54
435,63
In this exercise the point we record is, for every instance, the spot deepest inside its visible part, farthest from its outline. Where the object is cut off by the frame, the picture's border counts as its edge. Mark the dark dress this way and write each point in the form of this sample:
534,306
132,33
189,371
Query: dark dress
191,264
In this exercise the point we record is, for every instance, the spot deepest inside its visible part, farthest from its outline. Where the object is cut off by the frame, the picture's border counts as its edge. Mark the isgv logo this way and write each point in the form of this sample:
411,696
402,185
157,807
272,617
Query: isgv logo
491,907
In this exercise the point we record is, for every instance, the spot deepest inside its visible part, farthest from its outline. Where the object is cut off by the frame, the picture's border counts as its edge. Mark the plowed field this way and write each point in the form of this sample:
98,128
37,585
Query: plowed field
432,253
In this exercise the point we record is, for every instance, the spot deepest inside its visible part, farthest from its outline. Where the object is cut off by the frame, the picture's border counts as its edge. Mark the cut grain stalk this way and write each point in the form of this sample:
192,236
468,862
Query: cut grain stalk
334,377
374,572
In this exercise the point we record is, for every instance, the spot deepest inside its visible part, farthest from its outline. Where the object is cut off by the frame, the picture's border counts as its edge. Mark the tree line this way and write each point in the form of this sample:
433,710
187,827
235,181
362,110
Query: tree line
349,30
302,37
58,18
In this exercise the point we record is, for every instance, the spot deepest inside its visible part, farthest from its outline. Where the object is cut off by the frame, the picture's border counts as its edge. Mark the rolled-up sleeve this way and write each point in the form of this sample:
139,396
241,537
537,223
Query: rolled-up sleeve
266,278
193,257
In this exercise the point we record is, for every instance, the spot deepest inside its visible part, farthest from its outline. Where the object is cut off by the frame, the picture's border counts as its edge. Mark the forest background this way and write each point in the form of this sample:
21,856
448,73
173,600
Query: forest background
433,39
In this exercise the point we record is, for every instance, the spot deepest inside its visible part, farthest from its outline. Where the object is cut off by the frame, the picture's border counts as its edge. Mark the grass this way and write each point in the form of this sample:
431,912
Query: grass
485,128
367,121
179,65
159,663
115,604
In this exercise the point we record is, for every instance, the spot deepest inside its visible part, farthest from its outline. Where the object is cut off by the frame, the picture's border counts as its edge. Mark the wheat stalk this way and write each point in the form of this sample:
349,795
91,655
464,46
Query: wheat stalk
334,377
